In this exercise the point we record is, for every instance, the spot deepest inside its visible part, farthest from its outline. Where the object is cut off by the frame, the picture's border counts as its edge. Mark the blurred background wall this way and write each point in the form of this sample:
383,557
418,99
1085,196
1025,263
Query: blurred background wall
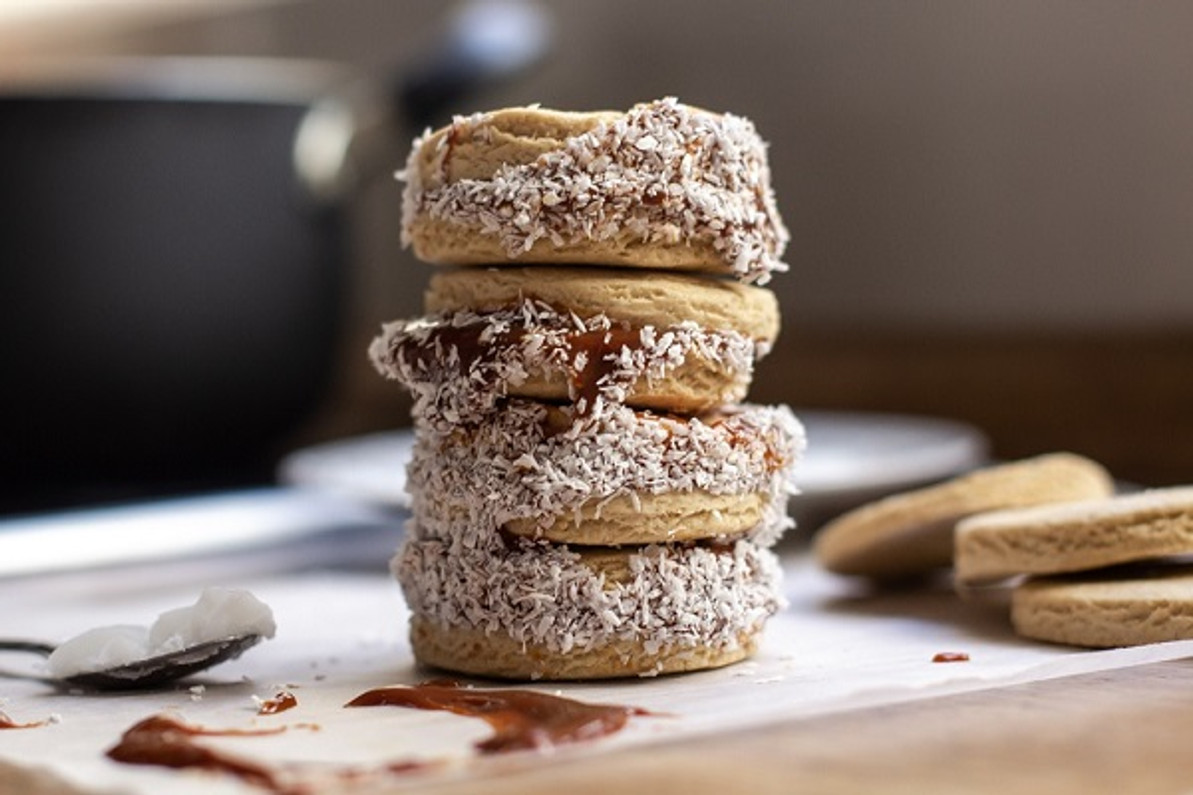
991,204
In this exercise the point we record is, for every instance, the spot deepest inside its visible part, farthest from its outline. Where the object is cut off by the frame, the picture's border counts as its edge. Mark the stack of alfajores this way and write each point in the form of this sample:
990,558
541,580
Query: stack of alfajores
590,497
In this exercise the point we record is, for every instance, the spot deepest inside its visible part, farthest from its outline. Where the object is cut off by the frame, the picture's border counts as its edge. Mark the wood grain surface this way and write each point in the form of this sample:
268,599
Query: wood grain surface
1121,731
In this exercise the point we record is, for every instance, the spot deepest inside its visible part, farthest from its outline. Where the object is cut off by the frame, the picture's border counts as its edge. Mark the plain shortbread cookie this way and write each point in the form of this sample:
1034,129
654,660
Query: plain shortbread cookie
1090,534
1121,607
496,654
912,533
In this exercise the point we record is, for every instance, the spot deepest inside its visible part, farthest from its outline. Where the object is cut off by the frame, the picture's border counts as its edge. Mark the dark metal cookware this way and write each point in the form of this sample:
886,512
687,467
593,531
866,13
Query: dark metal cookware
173,254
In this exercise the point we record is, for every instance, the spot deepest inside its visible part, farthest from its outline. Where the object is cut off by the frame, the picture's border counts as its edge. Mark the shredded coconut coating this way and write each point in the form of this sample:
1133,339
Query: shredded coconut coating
453,387
663,172
517,466
544,595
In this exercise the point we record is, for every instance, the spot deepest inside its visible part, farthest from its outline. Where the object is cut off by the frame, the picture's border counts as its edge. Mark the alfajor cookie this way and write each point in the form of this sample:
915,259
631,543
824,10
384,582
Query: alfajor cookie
521,610
663,341
1127,606
912,533
661,186
1089,534
616,477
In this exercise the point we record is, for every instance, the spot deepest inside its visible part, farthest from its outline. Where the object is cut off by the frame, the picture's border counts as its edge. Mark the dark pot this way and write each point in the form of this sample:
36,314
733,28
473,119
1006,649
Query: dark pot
173,250
172,264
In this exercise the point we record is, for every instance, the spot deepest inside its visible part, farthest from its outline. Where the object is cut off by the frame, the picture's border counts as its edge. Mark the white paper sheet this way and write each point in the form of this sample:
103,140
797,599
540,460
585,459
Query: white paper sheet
836,647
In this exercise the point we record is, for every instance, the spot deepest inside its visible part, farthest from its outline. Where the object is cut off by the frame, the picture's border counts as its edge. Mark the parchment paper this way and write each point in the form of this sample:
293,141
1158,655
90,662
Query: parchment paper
836,647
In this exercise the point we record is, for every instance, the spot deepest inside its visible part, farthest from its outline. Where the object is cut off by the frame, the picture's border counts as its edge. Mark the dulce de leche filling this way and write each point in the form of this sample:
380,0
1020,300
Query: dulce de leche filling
460,364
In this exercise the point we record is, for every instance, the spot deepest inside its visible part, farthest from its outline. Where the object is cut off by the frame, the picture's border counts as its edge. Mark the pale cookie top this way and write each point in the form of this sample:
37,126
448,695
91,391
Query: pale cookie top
912,532
662,173
1076,536
636,298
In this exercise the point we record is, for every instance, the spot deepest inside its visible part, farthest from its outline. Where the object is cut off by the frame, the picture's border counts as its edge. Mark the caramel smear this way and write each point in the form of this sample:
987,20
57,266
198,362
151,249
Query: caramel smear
521,719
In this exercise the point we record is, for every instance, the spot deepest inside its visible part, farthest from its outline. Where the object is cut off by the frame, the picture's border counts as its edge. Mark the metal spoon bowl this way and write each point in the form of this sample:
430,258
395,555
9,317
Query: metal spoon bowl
140,674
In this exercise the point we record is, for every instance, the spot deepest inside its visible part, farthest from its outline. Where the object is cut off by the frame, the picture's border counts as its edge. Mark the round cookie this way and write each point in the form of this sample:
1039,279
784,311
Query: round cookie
1077,536
619,477
497,655
1129,606
633,298
912,533
543,611
663,341
661,186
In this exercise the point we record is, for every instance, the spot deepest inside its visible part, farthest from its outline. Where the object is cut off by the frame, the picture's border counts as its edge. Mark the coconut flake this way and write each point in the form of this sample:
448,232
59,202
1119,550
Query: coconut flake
469,484
545,595
219,613
664,172
532,339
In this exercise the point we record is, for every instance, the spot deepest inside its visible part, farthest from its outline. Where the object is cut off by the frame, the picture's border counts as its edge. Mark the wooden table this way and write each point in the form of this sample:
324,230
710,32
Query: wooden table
1121,731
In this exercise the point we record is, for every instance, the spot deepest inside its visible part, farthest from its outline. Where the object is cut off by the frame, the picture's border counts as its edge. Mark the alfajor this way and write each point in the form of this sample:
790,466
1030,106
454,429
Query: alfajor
618,477
663,341
521,609
662,186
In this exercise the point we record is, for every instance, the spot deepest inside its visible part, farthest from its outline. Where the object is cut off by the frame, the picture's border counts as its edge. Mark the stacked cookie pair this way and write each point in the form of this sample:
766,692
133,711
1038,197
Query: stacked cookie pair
1085,566
1109,571
590,497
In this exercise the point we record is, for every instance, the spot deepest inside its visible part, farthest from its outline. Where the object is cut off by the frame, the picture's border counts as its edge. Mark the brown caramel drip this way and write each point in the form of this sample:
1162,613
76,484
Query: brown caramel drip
163,741
283,701
598,349
431,354
412,766
950,656
8,723
521,719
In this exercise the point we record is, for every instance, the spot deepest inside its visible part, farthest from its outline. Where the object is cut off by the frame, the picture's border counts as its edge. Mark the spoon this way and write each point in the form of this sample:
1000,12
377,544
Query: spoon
144,673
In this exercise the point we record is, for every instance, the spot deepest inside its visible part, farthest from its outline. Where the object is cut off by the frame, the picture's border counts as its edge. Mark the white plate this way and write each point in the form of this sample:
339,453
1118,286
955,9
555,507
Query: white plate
851,456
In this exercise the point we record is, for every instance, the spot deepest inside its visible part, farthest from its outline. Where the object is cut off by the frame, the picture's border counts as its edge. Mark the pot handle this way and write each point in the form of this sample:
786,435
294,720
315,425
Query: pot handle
487,42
